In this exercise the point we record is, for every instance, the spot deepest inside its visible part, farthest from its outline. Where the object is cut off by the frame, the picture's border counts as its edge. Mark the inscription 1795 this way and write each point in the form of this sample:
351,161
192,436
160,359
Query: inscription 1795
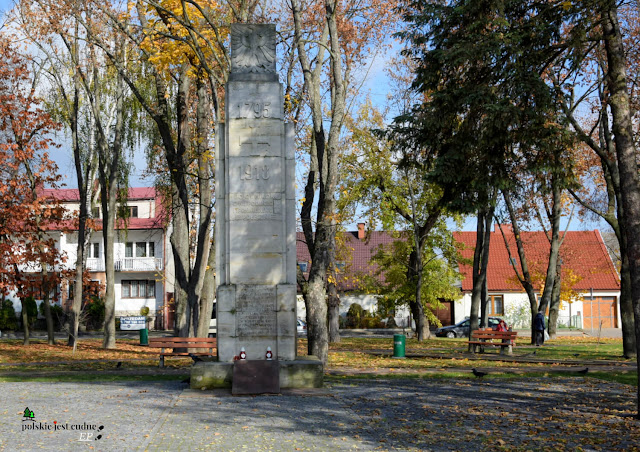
255,109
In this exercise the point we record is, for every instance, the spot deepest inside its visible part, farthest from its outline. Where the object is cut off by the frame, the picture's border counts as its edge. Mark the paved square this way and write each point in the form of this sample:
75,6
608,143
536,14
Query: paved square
402,414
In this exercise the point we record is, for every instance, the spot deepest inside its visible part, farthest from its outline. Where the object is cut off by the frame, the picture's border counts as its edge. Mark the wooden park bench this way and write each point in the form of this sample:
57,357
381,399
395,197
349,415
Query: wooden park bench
486,336
183,346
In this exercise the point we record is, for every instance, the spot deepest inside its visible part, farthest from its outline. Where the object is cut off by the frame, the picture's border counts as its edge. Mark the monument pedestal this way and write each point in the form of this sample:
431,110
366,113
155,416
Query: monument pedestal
305,372
255,377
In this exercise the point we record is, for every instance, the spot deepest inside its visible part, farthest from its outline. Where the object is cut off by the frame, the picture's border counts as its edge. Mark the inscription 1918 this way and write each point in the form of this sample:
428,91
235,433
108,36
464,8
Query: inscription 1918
254,172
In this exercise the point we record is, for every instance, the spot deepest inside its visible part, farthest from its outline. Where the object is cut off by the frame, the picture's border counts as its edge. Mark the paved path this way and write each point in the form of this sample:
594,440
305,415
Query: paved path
348,415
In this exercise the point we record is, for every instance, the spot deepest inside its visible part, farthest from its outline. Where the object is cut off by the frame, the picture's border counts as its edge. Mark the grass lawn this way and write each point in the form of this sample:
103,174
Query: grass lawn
359,357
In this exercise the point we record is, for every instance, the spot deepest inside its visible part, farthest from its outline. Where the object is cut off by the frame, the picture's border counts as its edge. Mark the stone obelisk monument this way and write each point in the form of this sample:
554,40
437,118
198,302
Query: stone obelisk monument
255,206
255,230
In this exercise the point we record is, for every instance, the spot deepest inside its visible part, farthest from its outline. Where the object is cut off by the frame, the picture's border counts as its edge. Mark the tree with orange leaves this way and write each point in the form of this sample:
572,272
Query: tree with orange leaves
29,258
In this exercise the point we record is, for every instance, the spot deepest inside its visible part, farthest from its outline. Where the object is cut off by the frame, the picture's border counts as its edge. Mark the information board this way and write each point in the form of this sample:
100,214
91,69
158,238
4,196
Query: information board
133,323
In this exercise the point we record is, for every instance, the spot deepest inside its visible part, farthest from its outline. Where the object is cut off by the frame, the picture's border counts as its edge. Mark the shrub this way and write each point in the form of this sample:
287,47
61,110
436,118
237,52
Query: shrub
8,319
354,315
29,304
391,322
57,314
94,314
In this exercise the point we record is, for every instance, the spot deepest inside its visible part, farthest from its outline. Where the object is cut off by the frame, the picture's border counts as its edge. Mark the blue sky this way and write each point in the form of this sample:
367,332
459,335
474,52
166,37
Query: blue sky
5,5
376,86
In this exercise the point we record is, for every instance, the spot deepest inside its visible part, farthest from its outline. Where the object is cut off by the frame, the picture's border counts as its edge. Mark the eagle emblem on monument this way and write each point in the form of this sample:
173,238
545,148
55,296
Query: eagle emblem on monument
253,49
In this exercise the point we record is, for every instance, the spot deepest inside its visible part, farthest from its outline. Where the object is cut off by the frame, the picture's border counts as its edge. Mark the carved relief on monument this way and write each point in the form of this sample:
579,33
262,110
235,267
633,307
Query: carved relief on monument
253,48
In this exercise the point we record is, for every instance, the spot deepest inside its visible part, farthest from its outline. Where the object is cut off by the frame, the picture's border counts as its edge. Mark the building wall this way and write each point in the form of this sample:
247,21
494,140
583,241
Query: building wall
368,303
518,314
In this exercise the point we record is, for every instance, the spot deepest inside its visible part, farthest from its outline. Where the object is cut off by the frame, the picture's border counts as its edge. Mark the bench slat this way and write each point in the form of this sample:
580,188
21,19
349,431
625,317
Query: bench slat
194,346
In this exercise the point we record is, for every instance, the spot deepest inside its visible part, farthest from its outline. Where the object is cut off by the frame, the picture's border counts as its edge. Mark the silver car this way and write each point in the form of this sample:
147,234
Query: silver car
302,327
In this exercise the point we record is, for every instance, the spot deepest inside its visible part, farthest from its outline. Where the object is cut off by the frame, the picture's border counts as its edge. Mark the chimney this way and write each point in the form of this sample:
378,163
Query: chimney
360,231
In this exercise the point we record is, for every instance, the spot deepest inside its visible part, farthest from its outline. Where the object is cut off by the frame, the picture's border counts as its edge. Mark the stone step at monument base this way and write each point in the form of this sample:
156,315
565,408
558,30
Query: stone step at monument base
303,372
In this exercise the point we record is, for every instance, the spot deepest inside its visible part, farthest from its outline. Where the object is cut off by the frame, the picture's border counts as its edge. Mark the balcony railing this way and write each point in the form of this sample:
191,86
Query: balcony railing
95,264
138,264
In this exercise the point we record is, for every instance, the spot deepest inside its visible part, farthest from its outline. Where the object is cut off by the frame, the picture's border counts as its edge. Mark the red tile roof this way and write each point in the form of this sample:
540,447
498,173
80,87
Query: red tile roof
71,194
583,252
135,194
357,252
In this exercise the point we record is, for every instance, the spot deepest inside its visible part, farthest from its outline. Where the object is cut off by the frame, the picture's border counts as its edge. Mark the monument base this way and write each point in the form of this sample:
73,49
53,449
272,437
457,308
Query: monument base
302,373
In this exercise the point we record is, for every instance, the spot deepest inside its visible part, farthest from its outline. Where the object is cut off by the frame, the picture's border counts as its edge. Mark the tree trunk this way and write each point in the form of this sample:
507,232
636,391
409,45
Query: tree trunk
626,153
484,301
525,278
84,185
74,313
626,311
208,294
480,263
108,232
334,313
554,251
47,307
200,304
554,308
629,346
25,322
109,168
317,331
415,303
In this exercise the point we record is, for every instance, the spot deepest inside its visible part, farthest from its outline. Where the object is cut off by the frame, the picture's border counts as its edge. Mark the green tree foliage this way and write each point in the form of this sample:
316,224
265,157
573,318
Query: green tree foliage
8,319
489,118
381,177
439,275
487,114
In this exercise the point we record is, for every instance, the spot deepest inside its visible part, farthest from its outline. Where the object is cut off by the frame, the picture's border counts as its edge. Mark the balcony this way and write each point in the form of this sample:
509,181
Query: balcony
138,264
95,264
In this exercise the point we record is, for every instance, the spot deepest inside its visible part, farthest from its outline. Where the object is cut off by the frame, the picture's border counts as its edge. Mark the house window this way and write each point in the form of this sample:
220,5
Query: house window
128,211
303,266
141,249
138,289
94,250
495,305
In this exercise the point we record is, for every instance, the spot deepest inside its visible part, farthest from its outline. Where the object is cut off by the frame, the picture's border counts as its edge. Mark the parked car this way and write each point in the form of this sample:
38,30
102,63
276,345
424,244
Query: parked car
213,323
302,327
461,329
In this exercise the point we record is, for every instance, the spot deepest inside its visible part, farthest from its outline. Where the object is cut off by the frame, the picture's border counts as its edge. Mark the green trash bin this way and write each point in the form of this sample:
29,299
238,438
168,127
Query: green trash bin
399,341
144,336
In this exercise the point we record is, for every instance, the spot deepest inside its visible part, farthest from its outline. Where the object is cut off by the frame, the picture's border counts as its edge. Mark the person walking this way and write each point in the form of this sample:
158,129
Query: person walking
538,326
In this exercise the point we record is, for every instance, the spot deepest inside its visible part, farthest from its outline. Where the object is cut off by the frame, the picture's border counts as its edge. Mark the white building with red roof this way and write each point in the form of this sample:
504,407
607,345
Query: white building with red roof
592,284
142,254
